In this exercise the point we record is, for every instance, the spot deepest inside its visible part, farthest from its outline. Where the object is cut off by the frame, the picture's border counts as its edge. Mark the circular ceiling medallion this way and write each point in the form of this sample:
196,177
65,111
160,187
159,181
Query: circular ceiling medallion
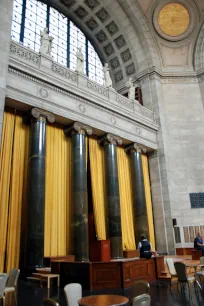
174,19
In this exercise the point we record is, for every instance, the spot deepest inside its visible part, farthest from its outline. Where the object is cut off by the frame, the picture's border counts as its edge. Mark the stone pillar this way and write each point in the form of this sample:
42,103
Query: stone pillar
36,187
6,13
80,234
113,197
139,200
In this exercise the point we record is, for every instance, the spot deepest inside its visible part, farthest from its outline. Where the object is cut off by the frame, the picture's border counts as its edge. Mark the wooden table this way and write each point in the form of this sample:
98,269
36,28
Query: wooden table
103,300
48,277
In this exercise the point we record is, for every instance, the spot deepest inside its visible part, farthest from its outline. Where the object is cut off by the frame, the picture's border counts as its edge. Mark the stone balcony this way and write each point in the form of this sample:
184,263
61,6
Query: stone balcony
72,95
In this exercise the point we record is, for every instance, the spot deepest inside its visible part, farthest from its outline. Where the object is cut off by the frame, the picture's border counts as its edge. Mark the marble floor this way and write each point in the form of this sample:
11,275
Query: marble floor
30,294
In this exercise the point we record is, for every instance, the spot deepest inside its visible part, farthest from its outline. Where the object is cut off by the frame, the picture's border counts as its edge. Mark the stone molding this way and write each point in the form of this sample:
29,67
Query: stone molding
110,139
78,128
80,83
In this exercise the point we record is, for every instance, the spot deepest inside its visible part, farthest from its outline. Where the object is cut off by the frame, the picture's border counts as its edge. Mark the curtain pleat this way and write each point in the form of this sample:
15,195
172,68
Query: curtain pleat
58,192
126,200
148,199
5,170
19,162
97,169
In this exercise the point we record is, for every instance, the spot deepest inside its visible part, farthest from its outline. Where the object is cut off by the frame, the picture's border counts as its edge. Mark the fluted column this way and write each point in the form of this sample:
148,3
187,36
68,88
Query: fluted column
139,199
80,239
113,197
36,186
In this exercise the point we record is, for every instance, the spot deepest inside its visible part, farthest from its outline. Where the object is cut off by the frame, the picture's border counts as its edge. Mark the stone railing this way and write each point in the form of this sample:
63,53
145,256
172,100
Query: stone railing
67,79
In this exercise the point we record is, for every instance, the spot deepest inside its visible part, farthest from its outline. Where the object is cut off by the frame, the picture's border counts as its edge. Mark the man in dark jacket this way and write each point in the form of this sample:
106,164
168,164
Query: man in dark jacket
198,243
144,247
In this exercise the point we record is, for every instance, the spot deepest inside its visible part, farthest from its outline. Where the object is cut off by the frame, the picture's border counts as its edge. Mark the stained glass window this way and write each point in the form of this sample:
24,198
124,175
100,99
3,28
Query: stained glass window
32,16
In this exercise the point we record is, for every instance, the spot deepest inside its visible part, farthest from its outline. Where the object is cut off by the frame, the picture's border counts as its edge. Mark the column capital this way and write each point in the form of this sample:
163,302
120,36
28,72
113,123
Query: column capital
78,128
110,139
39,114
134,147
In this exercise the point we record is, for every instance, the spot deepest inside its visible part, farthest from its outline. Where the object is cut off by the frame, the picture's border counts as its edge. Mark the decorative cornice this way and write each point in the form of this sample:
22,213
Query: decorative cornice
143,110
78,128
110,139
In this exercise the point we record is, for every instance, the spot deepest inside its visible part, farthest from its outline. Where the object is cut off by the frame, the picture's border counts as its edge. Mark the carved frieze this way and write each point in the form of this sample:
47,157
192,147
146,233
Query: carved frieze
24,53
97,88
64,72
124,101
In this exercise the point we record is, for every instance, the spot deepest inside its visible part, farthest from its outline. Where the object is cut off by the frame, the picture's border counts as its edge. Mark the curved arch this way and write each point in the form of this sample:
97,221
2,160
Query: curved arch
118,31
199,50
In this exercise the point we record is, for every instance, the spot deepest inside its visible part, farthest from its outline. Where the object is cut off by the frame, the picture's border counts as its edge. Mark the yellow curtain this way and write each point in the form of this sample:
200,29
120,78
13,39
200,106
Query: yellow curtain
19,167
5,170
97,168
126,200
58,192
148,199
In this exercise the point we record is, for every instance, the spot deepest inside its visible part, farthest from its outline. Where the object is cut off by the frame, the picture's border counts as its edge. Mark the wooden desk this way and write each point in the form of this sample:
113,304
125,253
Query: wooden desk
103,300
48,277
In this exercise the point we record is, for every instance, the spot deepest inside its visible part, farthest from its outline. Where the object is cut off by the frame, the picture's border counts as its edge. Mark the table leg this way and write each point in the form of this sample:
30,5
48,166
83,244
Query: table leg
48,282
58,281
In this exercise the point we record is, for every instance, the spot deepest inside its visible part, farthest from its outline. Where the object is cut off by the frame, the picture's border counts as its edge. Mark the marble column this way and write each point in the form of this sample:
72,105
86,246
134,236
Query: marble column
139,199
113,197
36,187
80,234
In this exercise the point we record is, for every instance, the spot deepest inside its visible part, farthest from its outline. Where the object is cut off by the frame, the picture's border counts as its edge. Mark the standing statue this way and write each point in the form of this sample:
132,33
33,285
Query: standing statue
45,42
131,89
107,78
79,61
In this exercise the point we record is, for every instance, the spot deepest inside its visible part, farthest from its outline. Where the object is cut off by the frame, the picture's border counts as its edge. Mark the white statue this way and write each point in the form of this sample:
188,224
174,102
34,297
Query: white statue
107,78
80,61
46,42
131,89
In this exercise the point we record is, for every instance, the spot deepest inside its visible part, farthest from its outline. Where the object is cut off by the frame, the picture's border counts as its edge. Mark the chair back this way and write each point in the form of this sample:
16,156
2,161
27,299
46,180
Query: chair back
140,287
202,260
13,278
141,300
49,302
3,280
181,271
170,264
73,293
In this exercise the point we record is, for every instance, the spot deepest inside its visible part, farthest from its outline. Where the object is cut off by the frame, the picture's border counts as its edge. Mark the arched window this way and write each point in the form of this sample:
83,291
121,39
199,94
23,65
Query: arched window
32,16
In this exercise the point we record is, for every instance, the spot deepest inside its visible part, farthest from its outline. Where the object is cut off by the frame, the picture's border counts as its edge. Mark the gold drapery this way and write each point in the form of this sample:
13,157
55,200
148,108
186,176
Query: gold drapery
97,168
145,169
13,163
57,192
126,200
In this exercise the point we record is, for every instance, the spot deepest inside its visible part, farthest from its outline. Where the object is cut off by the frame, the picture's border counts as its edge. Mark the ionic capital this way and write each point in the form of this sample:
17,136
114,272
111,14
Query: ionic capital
39,115
134,147
110,139
78,128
